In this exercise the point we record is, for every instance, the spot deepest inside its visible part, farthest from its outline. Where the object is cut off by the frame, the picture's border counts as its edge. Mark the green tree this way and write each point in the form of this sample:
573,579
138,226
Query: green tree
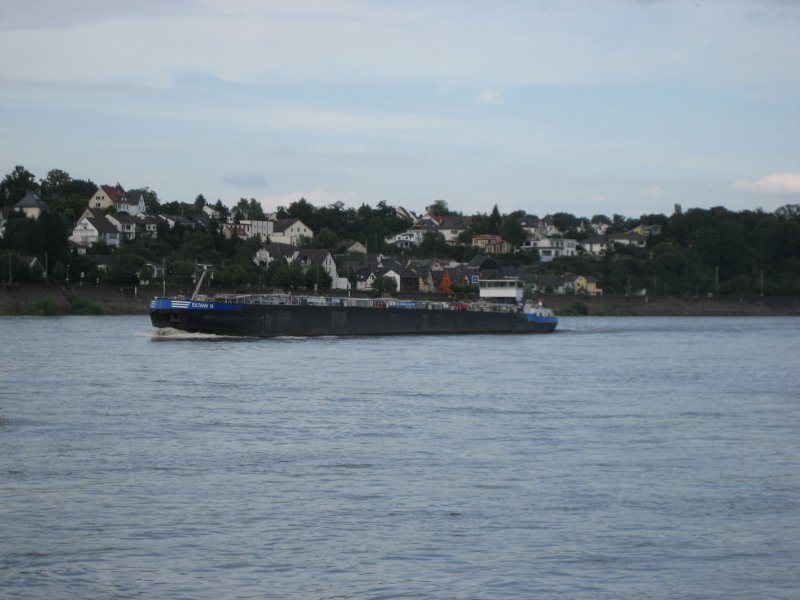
125,269
16,185
439,208
384,285
511,229
317,278
432,245
325,238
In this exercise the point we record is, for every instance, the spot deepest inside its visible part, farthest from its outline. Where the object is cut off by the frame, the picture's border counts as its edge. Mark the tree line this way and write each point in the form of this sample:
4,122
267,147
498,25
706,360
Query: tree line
697,252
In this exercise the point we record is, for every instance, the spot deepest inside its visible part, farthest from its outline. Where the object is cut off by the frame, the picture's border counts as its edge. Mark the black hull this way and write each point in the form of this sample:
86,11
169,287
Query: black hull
301,320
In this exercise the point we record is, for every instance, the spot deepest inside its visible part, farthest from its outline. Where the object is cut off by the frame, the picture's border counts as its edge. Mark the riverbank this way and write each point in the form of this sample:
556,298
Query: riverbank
114,300
670,306
59,300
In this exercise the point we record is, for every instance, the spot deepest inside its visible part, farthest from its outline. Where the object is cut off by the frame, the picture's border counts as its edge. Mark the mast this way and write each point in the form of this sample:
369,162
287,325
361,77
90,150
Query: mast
199,283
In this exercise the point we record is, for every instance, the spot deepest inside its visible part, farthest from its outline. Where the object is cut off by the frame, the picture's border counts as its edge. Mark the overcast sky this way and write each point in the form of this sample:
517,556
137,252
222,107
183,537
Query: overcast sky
584,106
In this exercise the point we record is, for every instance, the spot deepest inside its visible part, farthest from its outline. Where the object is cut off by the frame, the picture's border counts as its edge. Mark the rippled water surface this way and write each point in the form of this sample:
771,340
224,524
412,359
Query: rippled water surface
618,458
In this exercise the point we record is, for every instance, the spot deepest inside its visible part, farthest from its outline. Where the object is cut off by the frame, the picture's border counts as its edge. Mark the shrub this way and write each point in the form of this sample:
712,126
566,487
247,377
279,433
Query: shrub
41,308
81,306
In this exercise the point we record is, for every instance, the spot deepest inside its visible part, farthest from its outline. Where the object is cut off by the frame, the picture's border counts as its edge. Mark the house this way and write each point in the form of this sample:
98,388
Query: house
434,264
484,263
34,265
426,281
248,228
409,280
125,224
452,226
107,197
309,257
630,238
348,246
93,228
647,230
547,227
290,231
407,239
530,223
537,228
491,244
596,245
415,234
586,284
176,220
153,272
147,225
600,228
212,212
550,248
31,206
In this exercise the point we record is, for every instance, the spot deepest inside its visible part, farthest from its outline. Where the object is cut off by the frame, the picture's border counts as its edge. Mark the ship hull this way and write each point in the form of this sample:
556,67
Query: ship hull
273,320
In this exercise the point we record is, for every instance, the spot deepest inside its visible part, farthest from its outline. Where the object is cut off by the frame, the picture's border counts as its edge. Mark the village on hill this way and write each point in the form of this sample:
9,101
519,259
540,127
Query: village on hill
128,237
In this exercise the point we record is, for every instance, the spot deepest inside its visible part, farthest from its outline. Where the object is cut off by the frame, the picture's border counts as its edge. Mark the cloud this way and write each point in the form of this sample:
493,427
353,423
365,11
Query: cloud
780,183
490,97
654,191
356,40
247,179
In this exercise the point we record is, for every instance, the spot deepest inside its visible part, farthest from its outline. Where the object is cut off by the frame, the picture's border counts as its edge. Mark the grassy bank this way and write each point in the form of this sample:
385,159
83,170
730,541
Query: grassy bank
111,300
667,306
80,300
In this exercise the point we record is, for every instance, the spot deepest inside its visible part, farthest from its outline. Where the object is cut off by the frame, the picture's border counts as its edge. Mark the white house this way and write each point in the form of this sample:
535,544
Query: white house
550,248
630,238
407,239
125,224
290,231
247,228
311,257
31,205
596,245
92,228
307,257
452,226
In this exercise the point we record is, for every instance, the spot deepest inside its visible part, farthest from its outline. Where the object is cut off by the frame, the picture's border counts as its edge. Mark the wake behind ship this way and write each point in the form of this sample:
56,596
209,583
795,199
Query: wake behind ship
273,315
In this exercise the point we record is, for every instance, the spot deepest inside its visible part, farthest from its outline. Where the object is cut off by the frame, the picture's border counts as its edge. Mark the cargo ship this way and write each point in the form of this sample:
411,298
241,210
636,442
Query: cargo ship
274,315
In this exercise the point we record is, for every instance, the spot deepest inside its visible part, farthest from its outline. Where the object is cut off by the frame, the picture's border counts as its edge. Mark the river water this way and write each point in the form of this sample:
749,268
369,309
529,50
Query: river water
617,458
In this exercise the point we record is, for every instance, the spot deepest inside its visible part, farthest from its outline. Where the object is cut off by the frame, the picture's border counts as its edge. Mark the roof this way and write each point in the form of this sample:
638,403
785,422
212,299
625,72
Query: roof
630,235
282,225
455,222
277,250
316,255
123,218
529,221
112,192
102,225
31,200
481,259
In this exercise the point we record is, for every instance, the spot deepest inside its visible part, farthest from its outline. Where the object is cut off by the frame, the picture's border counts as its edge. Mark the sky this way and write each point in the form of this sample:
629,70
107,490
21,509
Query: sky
581,106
